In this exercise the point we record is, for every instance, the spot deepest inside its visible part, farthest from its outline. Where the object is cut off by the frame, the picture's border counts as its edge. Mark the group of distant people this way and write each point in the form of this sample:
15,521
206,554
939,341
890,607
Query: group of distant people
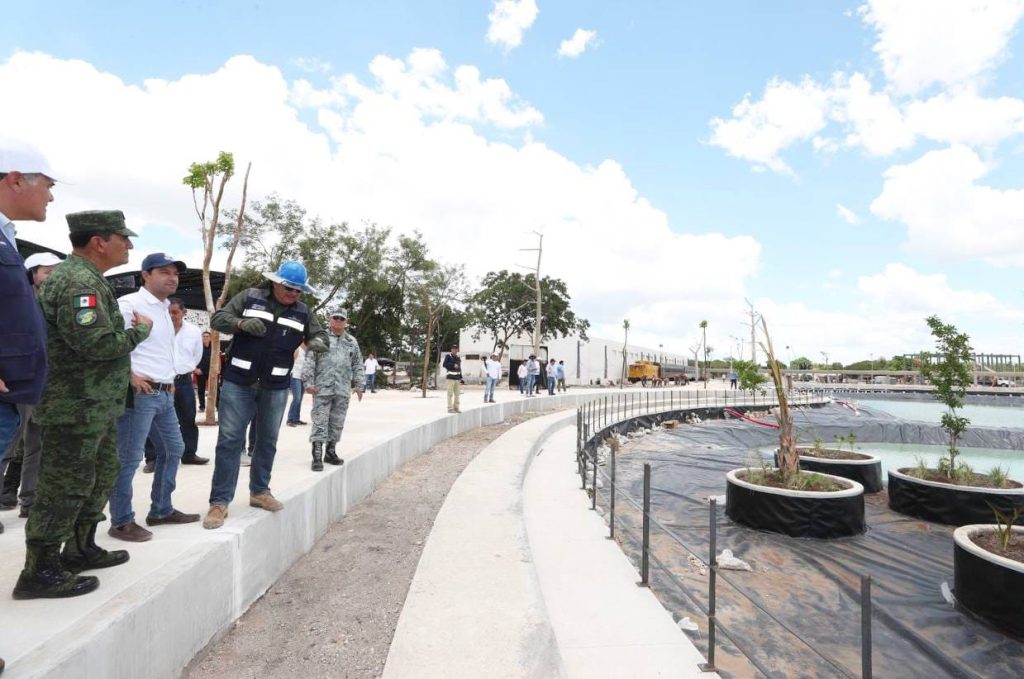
89,381
534,373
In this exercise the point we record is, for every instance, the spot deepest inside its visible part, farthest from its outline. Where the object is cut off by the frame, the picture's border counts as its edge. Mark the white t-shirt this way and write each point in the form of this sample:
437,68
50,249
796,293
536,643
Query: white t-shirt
370,366
300,358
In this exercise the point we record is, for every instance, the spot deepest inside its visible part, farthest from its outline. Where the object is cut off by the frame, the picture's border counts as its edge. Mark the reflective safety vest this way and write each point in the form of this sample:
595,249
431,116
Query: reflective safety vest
267,359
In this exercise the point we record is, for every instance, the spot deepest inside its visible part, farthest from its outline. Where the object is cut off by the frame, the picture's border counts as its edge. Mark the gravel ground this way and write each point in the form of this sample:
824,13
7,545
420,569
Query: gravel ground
333,614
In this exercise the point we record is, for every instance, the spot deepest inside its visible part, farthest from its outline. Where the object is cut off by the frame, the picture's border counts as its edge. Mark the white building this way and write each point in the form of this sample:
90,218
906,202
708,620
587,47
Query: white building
595,361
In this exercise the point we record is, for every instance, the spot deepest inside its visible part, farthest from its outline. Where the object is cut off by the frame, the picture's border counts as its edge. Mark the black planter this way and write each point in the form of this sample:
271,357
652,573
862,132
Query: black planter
866,472
799,513
988,586
947,503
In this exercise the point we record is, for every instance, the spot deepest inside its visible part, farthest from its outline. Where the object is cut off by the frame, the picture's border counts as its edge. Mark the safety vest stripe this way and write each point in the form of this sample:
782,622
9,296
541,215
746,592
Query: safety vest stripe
259,313
291,323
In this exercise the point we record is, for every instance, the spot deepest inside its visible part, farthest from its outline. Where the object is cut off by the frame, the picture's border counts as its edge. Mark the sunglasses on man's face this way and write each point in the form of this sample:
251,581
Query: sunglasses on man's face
338,318
288,288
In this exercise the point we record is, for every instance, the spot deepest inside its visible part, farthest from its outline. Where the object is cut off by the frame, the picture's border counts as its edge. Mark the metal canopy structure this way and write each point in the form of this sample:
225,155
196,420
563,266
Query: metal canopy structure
190,283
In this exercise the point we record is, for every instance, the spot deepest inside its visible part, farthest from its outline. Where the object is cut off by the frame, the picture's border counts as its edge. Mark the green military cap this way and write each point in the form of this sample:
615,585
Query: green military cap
99,220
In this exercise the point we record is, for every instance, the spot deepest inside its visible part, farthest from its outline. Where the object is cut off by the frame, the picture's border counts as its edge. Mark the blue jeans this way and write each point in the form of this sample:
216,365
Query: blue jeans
371,382
551,385
522,384
153,416
489,388
238,405
10,420
294,412
531,381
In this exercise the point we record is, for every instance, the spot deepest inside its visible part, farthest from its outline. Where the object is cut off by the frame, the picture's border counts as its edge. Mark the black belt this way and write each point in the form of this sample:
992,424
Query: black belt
160,386
183,376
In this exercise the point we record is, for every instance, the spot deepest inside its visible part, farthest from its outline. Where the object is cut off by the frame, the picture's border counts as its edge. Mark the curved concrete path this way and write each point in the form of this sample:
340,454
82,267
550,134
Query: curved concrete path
517,579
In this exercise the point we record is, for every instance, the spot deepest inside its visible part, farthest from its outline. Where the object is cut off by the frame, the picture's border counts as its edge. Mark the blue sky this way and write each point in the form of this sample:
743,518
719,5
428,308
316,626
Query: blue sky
748,215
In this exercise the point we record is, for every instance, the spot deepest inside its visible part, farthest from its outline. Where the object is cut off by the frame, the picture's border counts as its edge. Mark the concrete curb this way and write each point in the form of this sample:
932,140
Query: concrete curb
160,612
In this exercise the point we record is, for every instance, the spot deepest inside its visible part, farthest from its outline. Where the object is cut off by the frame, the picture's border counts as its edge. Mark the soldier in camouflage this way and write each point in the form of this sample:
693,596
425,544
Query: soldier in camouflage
89,362
330,377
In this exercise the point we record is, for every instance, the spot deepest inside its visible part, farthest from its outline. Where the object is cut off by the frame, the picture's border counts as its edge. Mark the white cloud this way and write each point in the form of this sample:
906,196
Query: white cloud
759,131
903,289
846,214
966,118
577,44
948,213
948,42
312,64
405,147
509,20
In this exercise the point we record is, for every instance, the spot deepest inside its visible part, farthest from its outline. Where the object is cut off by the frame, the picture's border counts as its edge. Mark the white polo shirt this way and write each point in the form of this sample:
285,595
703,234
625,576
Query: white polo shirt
188,348
153,359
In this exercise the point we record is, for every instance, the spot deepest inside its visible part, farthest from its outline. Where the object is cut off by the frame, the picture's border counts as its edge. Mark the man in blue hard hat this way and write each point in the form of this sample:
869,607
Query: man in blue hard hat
268,323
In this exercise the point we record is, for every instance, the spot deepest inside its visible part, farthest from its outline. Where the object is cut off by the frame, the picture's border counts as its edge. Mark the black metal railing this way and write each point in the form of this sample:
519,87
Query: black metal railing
597,416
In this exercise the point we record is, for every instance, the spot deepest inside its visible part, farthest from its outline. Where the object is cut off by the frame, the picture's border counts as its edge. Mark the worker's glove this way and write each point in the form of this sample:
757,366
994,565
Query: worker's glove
317,346
253,326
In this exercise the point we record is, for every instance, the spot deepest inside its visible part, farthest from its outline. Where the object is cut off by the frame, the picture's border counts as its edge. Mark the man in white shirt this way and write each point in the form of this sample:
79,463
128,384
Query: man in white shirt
370,367
188,346
492,370
154,364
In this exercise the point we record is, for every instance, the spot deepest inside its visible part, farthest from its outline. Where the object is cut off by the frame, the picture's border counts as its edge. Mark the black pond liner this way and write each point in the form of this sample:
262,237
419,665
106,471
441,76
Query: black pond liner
810,585
947,503
867,472
988,586
797,513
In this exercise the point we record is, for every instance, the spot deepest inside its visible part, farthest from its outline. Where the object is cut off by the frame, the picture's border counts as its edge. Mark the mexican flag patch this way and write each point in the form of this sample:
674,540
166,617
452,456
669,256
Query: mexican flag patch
85,301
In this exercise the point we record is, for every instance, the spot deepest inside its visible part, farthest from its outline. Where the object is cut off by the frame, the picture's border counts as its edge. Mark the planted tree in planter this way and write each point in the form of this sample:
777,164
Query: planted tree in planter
750,378
951,375
788,500
952,493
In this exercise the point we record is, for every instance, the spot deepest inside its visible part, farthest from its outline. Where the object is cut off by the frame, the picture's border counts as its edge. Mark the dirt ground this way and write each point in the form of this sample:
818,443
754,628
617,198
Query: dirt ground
333,614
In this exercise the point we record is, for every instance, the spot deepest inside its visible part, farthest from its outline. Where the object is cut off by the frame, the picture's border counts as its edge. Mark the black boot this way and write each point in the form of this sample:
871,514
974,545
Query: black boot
45,578
318,460
9,490
81,553
331,457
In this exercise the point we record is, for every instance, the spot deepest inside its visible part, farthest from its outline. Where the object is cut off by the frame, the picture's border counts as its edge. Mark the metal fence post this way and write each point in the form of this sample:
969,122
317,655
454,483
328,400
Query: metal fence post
645,550
611,501
583,471
593,485
709,666
865,626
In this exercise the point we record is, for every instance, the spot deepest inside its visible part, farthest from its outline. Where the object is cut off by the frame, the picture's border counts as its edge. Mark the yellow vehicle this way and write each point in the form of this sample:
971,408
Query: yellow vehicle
643,371
659,373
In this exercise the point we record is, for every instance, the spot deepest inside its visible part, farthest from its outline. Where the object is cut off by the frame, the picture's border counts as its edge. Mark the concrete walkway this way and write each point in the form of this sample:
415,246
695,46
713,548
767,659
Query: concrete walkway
518,580
187,585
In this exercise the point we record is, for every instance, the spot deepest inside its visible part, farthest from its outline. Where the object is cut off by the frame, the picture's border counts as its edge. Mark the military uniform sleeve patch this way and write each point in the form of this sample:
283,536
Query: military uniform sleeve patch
84,299
85,317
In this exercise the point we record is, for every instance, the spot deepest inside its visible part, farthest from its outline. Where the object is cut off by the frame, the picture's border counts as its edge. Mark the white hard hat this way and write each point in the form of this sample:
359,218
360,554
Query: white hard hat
20,156
42,259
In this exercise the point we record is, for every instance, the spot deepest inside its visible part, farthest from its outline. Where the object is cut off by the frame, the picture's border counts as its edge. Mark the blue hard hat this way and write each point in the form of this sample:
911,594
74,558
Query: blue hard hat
290,273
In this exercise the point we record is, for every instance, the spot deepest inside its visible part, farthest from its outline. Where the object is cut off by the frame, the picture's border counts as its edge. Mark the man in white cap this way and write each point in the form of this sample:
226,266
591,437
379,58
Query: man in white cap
25,183
23,451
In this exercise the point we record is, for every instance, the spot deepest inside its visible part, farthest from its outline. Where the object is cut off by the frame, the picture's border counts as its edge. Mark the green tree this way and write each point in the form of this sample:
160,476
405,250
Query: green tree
801,363
207,182
503,307
749,375
949,369
433,294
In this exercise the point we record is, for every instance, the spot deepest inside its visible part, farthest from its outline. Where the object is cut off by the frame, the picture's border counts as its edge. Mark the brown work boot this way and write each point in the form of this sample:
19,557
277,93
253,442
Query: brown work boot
265,501
130,532
215,517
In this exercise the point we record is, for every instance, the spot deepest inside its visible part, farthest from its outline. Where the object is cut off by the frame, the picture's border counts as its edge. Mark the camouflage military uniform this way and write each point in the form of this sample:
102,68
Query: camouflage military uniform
87,389
334,373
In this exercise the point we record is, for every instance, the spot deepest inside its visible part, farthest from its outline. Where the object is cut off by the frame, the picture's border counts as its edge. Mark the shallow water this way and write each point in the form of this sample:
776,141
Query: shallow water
931,411
898,455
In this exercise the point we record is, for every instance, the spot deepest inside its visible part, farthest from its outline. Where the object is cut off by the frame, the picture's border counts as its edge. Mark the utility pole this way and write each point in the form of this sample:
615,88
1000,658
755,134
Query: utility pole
536,287
625,344
754,319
